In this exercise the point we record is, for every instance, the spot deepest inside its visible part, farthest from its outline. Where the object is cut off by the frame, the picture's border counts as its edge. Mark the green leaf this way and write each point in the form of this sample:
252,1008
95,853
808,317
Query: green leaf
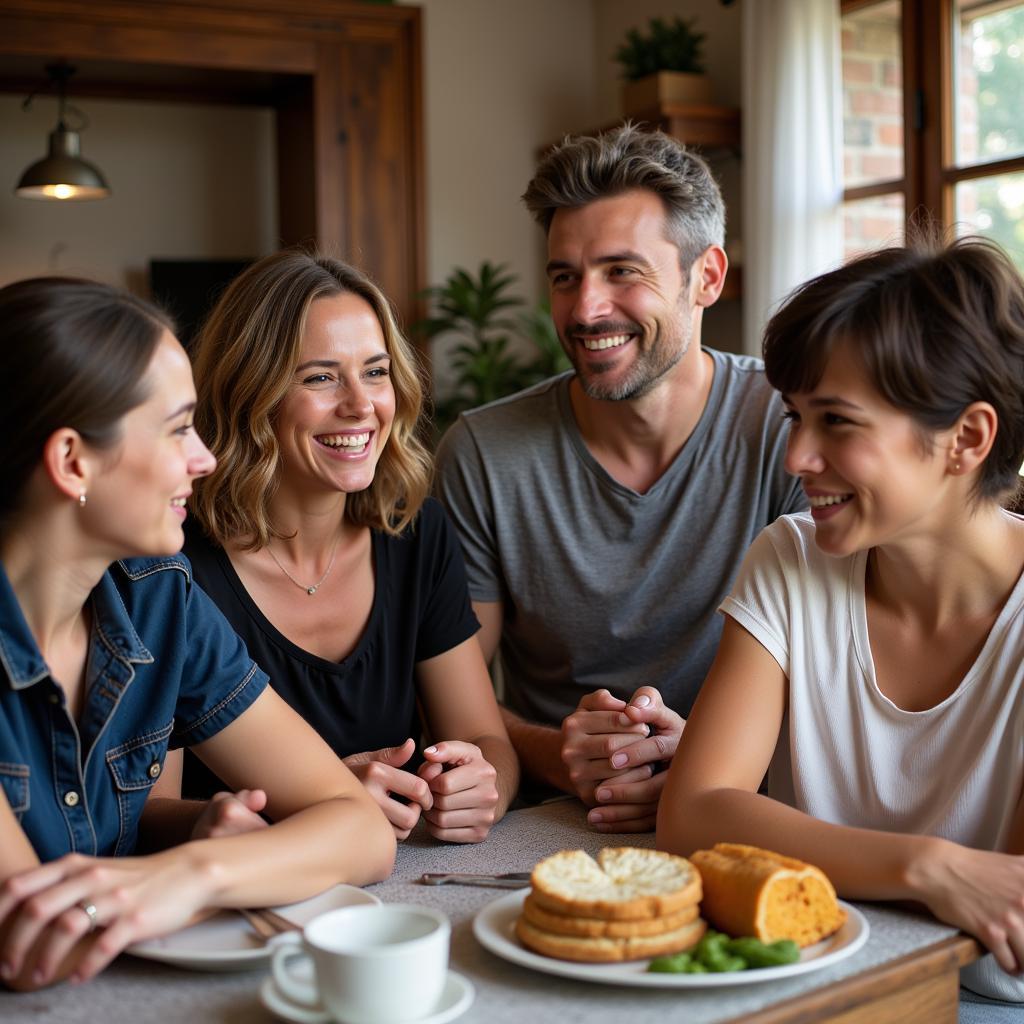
485,314
666,46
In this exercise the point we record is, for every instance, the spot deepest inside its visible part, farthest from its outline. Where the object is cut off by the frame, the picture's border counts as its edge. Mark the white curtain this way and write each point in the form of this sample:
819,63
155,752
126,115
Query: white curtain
792,151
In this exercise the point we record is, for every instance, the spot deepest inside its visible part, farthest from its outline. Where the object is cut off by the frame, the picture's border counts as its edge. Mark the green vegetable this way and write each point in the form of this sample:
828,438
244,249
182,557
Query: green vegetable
712,952
761,954
675,964
717,954
678,963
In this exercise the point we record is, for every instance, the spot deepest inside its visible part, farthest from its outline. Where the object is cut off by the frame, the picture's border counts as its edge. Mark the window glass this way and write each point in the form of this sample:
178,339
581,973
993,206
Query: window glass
994,207
872,224
989,81
872,95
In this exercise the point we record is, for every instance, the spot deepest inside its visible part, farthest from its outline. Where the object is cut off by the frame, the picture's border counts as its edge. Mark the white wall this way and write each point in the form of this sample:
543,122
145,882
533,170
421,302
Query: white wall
187,181
501,80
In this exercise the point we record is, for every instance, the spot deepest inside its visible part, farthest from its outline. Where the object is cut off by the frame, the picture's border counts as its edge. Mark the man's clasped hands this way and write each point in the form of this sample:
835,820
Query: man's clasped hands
616,753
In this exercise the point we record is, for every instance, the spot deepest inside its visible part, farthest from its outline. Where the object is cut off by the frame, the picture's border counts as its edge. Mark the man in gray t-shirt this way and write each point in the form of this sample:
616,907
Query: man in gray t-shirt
604,513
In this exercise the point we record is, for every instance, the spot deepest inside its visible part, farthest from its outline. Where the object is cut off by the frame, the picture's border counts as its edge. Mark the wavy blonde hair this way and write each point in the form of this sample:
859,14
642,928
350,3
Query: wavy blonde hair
245,360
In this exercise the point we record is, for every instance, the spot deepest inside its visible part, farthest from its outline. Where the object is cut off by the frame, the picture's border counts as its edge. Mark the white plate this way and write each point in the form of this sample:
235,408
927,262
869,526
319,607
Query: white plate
226,941
494,930
456,998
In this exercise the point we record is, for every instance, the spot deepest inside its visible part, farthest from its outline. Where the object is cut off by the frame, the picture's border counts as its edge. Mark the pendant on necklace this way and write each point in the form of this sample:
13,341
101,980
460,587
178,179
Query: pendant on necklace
310,590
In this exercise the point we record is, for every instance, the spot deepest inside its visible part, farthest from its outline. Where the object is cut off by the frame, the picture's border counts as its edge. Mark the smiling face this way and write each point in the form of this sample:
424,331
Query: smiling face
619,298
336,418
870,477
136,503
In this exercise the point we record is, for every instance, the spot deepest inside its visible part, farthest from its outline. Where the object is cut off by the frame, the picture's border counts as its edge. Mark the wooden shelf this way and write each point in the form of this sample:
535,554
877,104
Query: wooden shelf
705,125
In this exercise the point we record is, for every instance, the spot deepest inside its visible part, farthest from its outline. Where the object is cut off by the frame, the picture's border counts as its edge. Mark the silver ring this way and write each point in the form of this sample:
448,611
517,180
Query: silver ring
89,909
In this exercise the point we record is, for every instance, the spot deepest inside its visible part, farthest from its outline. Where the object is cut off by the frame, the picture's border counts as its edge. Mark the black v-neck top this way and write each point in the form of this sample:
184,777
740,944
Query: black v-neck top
420,609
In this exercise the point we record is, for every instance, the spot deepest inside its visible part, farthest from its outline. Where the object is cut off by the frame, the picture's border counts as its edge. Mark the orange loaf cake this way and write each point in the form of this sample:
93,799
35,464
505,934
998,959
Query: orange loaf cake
748,891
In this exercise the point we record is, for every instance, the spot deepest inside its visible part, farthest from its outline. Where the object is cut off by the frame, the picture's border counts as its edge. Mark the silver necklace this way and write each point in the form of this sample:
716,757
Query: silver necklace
311,590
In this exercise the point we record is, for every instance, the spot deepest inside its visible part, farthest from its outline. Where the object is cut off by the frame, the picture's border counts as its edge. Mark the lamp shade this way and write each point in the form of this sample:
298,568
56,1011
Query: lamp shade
62,173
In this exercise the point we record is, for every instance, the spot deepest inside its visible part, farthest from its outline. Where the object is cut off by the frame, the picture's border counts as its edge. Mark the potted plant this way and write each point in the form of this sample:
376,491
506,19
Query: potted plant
486,317
663,65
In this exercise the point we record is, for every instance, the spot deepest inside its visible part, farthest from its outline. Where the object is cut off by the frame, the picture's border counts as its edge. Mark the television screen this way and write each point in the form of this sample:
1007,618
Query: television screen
188,289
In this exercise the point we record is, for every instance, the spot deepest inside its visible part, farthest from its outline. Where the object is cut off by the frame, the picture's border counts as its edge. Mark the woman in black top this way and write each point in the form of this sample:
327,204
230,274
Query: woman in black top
316,539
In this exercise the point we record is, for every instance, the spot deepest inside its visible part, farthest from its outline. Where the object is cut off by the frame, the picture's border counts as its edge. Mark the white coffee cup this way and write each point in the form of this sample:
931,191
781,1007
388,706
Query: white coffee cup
373,964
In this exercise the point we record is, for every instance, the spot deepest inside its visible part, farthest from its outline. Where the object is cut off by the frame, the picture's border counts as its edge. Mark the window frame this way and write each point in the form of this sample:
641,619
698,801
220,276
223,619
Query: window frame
930,171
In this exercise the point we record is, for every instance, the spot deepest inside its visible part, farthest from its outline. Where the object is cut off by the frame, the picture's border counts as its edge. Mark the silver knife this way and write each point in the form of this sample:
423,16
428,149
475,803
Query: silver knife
509,880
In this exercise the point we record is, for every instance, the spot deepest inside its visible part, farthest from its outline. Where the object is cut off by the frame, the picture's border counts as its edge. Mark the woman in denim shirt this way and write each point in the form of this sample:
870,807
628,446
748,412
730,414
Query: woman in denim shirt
109,655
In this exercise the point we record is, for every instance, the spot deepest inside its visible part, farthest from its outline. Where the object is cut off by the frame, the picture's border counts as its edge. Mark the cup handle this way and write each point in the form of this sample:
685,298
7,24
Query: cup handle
289,948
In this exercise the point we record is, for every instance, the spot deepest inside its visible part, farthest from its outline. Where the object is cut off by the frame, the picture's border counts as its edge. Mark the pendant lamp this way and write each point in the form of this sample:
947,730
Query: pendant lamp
62,174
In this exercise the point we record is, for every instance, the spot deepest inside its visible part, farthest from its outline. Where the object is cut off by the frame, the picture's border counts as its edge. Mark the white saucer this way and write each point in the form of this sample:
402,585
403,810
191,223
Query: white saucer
226,942
456,999
281,1006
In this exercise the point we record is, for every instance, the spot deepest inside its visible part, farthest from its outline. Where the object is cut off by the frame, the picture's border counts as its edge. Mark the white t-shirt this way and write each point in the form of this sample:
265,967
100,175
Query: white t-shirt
847,754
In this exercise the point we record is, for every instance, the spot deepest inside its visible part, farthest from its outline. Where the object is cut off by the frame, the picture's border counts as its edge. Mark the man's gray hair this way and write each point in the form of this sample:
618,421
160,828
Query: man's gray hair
586,168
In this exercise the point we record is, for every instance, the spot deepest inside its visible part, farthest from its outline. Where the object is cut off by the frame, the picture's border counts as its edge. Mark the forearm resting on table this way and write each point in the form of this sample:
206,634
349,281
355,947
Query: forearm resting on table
862,864
539,748
338,840
500,754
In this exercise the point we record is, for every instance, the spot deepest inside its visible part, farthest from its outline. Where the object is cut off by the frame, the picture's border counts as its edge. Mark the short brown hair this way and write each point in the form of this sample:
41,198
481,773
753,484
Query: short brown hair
73,353
245,359
586,168
936,326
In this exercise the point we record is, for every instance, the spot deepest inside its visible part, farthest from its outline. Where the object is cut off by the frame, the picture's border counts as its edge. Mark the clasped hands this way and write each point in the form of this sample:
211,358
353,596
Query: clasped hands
73,915
613,751
458,805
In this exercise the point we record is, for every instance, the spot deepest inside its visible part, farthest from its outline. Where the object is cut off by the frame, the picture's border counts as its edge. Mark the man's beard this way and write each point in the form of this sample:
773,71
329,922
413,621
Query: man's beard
648,367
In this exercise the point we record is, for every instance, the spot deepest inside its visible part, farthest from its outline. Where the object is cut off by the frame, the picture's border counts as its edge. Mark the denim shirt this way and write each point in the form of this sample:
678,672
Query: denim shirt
164,669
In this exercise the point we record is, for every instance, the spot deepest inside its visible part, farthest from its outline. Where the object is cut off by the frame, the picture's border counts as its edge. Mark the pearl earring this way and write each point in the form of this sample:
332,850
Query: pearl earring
82,500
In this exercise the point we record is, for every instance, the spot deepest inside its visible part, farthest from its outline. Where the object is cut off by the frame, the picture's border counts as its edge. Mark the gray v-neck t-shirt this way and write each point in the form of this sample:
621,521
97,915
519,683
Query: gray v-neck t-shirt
603,586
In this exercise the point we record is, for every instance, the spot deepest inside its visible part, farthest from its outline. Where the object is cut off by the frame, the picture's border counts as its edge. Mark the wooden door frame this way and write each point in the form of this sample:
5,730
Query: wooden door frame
349,144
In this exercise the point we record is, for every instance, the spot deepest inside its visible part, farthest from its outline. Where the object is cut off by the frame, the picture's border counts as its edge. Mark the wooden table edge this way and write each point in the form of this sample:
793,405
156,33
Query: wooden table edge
848,993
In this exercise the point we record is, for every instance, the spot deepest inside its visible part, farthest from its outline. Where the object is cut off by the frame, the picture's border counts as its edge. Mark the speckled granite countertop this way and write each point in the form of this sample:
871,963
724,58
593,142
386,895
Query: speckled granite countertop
141,991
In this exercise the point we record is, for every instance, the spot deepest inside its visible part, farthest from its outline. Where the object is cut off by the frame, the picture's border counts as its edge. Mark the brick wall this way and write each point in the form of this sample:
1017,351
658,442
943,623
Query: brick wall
872,125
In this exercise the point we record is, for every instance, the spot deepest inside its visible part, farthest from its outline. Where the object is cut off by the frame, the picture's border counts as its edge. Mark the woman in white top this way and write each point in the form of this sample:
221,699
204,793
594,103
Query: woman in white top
872,660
